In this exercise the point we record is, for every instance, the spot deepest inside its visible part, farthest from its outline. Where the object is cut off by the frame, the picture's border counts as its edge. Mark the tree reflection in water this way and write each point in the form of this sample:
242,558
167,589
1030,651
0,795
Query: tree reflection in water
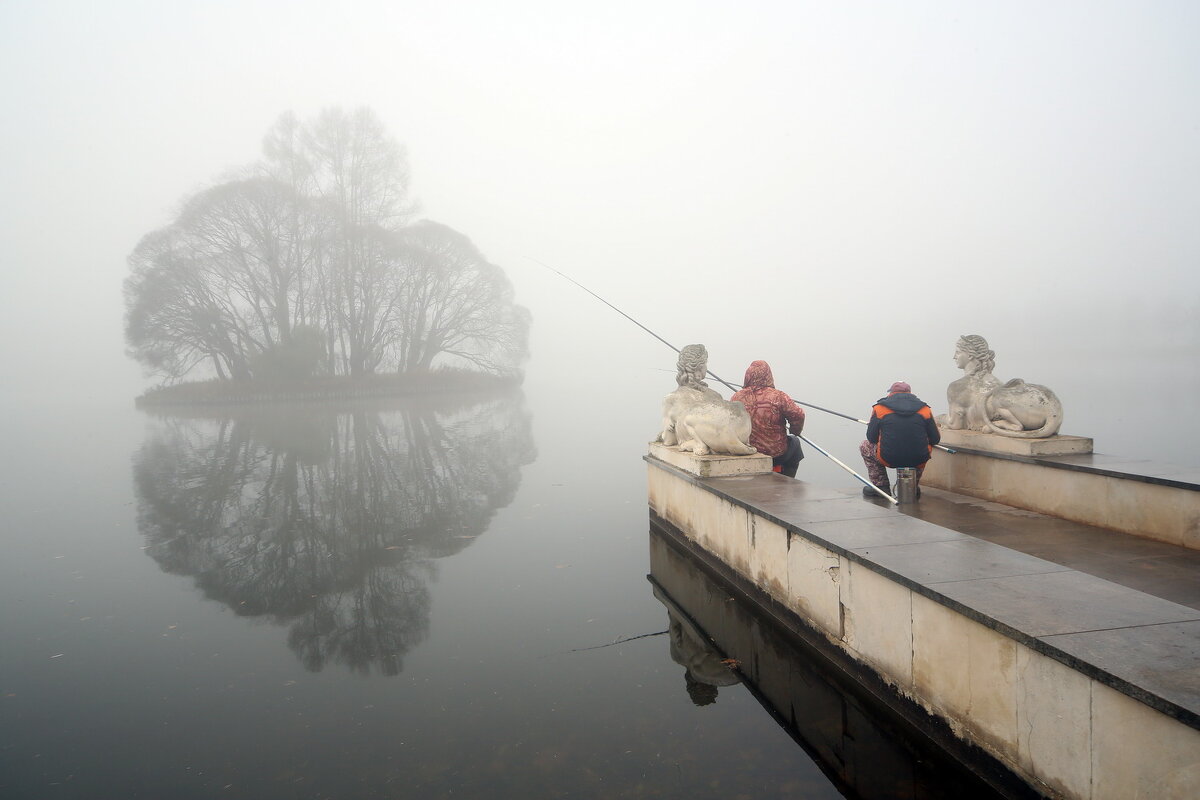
328,519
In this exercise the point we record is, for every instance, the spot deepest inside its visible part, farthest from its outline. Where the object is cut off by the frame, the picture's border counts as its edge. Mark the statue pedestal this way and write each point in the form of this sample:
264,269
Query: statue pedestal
995,443
712,466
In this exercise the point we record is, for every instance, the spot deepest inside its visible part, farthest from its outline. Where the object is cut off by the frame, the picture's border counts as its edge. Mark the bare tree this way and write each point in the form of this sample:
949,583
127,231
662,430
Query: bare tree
230,280
315,239
360,174
451,301
173,321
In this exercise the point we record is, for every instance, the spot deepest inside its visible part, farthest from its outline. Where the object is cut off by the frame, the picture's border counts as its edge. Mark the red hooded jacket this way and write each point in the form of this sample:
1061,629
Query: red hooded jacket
769,408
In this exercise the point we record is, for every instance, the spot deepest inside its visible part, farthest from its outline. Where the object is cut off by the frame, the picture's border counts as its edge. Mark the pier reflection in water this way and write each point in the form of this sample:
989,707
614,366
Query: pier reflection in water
864,749
328,520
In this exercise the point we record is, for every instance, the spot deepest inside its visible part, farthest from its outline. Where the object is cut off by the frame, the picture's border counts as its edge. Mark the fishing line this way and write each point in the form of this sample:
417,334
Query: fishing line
728,385
852,419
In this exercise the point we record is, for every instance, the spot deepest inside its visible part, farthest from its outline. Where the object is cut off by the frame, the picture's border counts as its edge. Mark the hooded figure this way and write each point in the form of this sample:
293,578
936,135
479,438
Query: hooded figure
771,413
901,433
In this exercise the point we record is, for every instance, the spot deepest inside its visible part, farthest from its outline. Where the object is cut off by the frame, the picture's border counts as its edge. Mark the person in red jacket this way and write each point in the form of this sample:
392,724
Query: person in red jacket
772,412
900,433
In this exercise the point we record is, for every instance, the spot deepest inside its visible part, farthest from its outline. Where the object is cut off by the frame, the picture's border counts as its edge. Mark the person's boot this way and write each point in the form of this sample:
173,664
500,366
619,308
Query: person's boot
869,492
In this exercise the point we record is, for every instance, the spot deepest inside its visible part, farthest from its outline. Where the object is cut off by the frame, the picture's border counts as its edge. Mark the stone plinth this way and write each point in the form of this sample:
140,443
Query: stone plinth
711,466
995,443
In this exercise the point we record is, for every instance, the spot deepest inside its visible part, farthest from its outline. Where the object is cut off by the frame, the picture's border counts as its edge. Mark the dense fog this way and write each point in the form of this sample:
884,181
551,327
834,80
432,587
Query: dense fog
841,190
448,595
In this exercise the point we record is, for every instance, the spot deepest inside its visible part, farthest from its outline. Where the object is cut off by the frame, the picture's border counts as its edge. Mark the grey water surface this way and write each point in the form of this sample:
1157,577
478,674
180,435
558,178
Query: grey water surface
414,598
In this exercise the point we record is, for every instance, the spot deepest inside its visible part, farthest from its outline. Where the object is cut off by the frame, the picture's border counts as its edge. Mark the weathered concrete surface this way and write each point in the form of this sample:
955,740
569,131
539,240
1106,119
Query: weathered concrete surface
1156,568
1153,501
712,465
1073,681
1058,445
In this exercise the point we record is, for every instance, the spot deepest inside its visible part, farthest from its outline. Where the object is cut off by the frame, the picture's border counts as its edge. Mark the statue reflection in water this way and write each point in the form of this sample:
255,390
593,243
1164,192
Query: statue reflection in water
329,520
704,669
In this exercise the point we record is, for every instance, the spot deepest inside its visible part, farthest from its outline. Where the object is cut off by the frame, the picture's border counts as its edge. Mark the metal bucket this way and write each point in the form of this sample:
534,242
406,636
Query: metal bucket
906,484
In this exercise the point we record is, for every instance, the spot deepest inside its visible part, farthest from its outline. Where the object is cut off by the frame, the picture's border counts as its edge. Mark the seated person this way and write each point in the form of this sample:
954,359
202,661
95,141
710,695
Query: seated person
900,433
771,413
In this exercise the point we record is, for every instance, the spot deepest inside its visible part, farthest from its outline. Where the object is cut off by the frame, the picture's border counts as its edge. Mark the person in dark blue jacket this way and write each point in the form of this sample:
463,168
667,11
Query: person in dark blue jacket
900,433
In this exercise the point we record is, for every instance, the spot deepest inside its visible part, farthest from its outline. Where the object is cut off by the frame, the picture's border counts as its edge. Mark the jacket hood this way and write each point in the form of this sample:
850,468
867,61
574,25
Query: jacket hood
758,376
902,402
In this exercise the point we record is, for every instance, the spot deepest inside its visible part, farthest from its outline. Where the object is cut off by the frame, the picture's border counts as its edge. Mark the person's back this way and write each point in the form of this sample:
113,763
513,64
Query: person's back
771,413
904,422
900,433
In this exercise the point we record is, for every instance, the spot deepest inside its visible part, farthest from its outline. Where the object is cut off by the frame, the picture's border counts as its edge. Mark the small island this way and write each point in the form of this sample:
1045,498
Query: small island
217,392
305,276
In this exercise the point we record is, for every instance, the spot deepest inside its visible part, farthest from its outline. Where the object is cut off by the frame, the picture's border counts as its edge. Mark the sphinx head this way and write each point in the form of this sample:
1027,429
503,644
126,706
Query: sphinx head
972,348
692,366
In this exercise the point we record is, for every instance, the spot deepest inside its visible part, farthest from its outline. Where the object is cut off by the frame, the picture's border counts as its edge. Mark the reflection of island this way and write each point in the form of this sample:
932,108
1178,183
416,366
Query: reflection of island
865,749
327,520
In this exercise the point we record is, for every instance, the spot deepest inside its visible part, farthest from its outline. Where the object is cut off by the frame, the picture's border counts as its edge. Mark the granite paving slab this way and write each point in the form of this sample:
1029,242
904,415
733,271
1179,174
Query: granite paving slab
768,488
893,529
1173,578
963,559
797,502
1063,602
1102,461
1187,475
1163,660
1165,570
1066,555
828,511
1135,469
1047,539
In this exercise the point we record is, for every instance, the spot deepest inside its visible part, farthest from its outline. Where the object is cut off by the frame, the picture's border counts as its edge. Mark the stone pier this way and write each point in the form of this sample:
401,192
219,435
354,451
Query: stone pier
1039,647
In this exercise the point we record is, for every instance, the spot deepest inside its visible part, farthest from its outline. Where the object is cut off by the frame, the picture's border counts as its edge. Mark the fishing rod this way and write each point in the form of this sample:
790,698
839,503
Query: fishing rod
715,377
818,408
854,419
798,402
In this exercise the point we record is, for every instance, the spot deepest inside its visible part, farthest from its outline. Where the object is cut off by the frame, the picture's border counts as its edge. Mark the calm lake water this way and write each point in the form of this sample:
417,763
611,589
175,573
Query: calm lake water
413,599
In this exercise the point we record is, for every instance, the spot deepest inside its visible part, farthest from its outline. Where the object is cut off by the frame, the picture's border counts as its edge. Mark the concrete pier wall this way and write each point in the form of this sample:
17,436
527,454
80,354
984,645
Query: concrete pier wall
1159,502
889,591
854,732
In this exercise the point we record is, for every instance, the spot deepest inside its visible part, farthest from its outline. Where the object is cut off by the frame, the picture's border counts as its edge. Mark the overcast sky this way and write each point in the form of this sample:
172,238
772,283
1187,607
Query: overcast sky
836,179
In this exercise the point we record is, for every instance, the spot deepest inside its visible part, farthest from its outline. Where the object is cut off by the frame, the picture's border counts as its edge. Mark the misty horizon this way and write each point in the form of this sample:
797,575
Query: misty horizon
794,183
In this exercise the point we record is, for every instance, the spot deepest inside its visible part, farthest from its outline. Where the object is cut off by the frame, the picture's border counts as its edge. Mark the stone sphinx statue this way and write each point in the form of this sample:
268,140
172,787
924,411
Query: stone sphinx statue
698,420
979,402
